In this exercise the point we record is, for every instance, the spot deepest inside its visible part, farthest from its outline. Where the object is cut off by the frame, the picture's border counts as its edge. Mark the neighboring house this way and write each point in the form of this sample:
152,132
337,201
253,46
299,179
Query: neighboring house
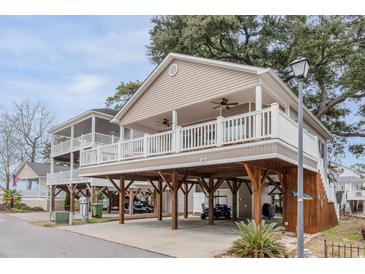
32,184
89,130
225,131
350,190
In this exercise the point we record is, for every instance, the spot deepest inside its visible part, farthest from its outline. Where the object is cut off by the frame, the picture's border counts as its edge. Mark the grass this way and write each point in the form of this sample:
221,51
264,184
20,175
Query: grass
348,232
75,222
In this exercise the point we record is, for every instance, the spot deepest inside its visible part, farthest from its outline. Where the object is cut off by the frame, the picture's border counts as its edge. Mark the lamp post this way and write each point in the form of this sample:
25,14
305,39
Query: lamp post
300,69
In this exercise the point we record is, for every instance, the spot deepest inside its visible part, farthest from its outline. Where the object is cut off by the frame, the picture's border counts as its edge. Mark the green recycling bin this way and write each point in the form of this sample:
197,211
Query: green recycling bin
97,210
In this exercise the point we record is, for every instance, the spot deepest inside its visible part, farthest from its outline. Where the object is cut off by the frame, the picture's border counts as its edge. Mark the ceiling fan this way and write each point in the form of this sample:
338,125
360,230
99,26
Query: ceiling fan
165,123
224,104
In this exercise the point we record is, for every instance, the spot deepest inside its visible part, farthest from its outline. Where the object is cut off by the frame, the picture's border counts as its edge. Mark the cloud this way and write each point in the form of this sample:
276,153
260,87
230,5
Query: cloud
84,84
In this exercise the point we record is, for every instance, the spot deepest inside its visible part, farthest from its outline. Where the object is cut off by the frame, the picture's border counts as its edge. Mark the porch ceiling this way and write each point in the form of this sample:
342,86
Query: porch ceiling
200,111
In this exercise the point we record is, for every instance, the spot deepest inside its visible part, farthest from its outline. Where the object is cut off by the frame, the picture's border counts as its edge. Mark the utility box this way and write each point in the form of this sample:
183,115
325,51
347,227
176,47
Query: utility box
59,217
84,208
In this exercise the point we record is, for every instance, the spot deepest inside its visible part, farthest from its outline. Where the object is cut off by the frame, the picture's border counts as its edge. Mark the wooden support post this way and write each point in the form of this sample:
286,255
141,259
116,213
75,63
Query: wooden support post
174,213
257,180
110,200
131,201
53,198
121,199
159,200
186,201
234,200
211,202
72,198
93,194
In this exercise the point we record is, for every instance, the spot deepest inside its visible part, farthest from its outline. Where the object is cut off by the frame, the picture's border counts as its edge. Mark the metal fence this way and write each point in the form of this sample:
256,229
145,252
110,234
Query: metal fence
332,250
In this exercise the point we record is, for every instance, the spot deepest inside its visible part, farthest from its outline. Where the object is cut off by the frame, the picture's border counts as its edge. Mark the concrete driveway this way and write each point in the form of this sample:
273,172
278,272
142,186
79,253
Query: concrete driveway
19,239
194,238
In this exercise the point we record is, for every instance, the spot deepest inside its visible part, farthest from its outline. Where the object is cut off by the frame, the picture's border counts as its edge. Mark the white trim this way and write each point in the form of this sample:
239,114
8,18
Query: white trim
221,161
80,118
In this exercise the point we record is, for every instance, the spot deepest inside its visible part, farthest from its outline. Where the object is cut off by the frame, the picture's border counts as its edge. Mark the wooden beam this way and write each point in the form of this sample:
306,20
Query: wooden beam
186,200
218,184
234,200
211,202
53,197
203,184
113,183
121,199
159,200
191,186
131,201
93,194
129,184
174,213
154,186
256,178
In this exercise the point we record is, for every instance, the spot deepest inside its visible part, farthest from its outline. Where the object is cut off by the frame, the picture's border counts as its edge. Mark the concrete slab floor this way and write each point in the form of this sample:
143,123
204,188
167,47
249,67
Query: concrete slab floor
194,238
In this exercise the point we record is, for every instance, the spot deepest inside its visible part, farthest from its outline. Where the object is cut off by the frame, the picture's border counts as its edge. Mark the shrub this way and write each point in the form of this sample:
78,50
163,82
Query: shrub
67,202
25,208
259,242
12,198
37,208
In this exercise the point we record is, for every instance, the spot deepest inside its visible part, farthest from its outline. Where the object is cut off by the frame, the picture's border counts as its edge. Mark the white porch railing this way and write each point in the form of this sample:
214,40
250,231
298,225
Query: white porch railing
63,176
258,125
82,142
356,195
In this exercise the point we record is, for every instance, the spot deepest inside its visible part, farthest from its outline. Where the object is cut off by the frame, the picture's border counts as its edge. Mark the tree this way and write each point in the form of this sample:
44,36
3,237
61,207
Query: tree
334,45
9,153
32,121
12,198
360,168
122,94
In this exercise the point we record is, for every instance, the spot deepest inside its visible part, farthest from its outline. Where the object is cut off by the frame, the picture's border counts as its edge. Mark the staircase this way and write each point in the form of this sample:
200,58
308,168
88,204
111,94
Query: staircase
329,188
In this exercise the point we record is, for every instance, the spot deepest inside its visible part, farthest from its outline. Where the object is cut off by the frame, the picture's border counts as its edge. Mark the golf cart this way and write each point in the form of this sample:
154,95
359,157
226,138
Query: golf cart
221,210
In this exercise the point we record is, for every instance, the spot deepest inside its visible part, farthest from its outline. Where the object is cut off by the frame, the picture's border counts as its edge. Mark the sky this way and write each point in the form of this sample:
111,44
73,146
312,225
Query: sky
72,63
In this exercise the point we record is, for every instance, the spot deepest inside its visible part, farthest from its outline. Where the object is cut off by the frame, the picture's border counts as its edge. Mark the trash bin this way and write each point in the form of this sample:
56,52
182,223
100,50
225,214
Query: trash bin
97,210
84,210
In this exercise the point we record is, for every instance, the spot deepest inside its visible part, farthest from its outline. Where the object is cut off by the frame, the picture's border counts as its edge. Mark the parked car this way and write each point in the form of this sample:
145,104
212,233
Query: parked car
221,211
139,207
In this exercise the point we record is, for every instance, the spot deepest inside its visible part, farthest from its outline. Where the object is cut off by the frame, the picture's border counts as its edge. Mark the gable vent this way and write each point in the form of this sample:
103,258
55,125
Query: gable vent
173,70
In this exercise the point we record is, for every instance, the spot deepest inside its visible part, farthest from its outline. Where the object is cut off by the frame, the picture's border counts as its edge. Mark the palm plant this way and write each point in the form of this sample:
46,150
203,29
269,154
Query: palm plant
12,198
259,241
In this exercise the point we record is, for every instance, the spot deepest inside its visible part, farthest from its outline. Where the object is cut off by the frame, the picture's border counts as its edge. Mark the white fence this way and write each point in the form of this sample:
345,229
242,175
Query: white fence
63,176
258,125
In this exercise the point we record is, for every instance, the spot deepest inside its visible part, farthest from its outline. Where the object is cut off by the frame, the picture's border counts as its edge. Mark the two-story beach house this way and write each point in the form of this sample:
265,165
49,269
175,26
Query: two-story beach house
90,130
213,125
350,191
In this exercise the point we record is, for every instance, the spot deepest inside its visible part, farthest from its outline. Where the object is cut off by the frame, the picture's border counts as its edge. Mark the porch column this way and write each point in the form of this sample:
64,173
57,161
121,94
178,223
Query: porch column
131,200
258,98
93,126
186,201
159,200
211,202
174,213
121,133
121,199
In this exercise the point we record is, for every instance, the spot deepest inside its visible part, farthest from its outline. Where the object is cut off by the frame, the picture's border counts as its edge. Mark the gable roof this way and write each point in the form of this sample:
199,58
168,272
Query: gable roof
102,112
41,169
223,64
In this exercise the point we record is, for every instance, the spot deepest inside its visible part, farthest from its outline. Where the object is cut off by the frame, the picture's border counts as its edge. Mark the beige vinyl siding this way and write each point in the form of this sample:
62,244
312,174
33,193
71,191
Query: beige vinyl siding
193,82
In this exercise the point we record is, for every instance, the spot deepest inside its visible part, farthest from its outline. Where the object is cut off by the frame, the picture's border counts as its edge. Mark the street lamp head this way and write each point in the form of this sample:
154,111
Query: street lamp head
300,67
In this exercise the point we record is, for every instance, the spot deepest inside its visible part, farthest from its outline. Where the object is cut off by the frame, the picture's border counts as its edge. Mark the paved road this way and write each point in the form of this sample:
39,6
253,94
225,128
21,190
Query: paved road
18,238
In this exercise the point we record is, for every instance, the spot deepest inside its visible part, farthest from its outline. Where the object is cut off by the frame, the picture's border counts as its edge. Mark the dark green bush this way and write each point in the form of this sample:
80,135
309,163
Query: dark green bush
67,202
37,208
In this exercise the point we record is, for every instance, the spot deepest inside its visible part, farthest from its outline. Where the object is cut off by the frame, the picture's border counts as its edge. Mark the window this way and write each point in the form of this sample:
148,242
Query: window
321,148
